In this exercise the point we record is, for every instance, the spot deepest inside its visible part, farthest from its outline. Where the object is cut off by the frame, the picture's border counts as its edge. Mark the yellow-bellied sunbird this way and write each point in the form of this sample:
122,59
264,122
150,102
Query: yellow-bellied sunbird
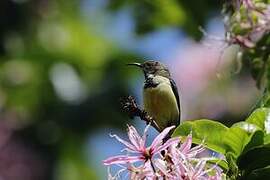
160,94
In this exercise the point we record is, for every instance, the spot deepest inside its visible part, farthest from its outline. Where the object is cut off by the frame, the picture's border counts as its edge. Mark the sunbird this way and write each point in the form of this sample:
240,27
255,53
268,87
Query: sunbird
160,94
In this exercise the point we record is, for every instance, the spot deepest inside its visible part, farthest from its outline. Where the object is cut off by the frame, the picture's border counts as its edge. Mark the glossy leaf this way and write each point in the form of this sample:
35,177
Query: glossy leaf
261,118
248,127
211,132
235,140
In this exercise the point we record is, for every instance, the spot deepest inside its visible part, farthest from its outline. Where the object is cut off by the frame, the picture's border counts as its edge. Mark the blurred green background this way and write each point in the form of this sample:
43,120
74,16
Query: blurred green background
62,72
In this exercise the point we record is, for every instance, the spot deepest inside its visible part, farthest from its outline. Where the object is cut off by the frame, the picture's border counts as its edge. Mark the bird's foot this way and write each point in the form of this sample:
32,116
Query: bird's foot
130,106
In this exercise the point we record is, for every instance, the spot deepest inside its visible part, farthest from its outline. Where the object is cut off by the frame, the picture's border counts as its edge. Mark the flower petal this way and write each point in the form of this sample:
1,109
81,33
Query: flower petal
142,172
122,159
161,166
168,143
134,137
185,147
145,135
158,140
130,146
195,150
199,168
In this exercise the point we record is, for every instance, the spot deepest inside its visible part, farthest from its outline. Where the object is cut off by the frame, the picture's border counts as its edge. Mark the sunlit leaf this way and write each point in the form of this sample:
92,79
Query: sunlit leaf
248,127
261,118
211,132
235,140
219,138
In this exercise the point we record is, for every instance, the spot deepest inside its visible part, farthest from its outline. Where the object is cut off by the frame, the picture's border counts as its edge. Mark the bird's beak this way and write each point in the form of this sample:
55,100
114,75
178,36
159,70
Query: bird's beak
135,64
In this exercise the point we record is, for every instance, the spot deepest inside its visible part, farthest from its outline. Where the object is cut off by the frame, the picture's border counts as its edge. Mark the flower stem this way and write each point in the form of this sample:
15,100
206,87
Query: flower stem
152,165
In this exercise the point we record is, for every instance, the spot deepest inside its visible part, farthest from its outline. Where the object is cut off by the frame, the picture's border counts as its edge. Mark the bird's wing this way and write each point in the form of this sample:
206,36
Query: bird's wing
175,91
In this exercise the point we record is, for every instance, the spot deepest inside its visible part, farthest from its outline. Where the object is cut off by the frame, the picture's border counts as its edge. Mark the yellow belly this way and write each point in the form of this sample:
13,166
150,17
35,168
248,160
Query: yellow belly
161,104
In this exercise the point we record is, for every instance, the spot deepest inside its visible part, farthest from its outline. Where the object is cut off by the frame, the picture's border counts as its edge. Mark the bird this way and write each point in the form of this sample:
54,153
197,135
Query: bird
160,94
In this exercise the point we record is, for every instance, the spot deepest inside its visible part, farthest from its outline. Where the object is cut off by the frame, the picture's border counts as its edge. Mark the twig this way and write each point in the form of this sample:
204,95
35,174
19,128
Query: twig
130,106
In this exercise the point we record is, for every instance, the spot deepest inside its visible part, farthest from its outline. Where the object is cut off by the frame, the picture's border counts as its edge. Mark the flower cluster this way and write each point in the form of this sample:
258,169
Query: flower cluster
248,22
170,160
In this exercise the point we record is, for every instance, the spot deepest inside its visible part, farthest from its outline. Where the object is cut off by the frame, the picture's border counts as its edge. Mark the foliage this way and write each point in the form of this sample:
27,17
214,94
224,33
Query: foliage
246,149
175,13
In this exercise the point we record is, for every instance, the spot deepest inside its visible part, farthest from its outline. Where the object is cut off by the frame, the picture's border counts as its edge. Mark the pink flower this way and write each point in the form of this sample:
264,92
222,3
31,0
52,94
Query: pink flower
144,171
137,146
186,149
186,165
176,162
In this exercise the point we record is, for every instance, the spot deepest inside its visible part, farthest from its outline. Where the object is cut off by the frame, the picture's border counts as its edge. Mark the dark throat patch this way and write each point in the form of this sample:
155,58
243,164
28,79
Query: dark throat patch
149,83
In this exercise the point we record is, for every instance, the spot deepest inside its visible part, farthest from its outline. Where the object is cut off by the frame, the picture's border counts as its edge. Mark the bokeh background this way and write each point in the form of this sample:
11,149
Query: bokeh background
62,72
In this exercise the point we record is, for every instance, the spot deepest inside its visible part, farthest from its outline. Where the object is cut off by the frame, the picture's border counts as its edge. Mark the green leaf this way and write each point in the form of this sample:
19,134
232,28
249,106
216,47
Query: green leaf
267,139
259,174
248,127
235,140
256,139
257,157
238,142
211,132
261,118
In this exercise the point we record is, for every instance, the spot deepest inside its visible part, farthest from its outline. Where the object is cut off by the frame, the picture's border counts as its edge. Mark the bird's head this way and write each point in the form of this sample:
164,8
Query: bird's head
152,68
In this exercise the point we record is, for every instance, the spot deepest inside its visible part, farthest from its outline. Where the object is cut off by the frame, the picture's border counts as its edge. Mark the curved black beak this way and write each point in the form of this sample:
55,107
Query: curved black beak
135,64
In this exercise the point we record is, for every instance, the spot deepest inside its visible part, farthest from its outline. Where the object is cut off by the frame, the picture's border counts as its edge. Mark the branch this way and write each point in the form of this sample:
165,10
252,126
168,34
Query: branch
130,106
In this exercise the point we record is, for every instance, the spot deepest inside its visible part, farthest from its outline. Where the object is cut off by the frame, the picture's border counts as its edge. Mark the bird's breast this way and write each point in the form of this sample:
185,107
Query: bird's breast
161,104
